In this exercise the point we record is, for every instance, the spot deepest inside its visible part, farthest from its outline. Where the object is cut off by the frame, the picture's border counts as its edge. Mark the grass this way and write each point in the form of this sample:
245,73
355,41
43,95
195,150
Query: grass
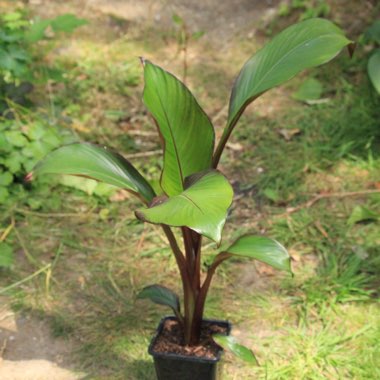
322,324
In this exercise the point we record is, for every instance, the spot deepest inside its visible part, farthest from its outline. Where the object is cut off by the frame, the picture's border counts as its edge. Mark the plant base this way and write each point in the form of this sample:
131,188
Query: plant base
174,366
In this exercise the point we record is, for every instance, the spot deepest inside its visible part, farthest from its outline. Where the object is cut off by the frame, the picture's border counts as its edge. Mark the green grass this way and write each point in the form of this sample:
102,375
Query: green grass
322,324
342,132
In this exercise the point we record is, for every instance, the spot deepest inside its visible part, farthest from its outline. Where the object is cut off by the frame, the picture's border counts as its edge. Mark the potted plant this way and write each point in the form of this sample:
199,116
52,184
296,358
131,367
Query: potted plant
194,196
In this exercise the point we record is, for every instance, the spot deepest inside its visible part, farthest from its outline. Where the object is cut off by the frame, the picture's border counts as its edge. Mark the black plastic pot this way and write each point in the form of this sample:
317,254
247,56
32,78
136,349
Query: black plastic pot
181,367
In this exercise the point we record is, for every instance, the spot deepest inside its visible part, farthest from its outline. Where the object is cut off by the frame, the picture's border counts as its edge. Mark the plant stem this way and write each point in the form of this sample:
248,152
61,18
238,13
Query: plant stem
197,317
189,250
190,270
192,243
201,299
188,293
197,271
227,133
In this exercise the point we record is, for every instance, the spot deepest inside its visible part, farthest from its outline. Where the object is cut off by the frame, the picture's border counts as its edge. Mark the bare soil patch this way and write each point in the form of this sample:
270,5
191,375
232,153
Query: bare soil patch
28,351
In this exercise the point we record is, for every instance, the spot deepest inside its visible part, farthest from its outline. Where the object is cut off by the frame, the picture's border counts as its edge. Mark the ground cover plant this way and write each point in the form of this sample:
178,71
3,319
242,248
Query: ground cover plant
193,195
26,134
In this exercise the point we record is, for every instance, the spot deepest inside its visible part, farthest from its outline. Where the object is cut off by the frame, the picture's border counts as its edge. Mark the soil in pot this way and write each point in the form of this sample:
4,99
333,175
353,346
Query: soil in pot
174,360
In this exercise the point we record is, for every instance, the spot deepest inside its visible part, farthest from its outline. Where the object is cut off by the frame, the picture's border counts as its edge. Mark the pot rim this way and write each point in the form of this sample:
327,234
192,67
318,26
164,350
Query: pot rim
174,356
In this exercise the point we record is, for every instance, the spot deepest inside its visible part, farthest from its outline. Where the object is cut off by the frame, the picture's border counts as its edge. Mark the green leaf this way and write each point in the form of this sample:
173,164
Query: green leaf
52,139
6,178
272,194
361,214
11,16
37,149
373,32
36,131
202,206
16,138
186,130
98,163
197,35
84,184
229,343
89,186
311,89
374,69
18,53
67,23
6,255
37,30
4,194
261,248
13,162
7,62
4,143
162,296
177,19
301,46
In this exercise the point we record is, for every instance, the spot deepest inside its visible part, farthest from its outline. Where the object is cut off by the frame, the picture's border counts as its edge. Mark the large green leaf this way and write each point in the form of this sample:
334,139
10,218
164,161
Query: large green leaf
98,163
306,44
187,132
202,206
374,69
162,296
229,343
261,248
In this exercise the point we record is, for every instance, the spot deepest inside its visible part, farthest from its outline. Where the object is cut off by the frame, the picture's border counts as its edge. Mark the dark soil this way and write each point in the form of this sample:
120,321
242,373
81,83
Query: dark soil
171,340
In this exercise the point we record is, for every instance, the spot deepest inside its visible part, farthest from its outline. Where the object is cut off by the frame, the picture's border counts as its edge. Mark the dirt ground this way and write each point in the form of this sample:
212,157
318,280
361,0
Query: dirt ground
29,351
220,21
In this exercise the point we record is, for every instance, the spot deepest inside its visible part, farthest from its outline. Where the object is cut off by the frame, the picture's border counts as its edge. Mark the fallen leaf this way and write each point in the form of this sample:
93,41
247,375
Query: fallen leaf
237,147
288,134
295,256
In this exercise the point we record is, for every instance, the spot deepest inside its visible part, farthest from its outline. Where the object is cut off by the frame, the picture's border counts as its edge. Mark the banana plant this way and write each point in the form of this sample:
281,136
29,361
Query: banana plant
195,197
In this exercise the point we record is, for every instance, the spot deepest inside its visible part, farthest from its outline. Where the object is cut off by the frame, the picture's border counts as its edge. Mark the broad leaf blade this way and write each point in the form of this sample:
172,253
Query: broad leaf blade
304,45
162,296
98,163
261,248
229,343
202,206
374,69
185,128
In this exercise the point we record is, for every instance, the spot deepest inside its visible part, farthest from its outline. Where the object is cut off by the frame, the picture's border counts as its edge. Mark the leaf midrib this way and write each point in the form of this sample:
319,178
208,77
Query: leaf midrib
171,134
191,201
113,165
285,55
